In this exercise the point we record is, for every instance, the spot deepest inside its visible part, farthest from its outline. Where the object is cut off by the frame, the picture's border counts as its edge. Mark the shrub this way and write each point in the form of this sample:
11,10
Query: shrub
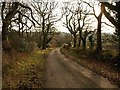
106,55
18,43
48,45
116,61
31,46
66,46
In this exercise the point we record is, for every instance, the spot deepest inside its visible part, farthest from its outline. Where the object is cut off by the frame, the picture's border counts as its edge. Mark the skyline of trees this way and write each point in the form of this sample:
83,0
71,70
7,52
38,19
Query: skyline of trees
79,17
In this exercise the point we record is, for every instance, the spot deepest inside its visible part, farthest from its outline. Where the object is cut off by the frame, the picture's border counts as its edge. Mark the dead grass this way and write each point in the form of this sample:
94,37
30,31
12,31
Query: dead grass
23,70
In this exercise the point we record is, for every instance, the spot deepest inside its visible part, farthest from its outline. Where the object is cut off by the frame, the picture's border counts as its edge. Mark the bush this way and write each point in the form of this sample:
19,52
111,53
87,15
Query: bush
106,55
31,46
66,46
116,61
48,45
18,43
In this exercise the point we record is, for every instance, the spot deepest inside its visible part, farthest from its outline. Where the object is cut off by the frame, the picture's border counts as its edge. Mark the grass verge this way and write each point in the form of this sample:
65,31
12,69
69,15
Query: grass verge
102,68
23,70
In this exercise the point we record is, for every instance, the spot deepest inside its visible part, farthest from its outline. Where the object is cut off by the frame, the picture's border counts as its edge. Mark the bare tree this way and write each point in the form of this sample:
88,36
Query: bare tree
8,12
99,17
115,21
47,20
84,36
76,20
83,23
71,23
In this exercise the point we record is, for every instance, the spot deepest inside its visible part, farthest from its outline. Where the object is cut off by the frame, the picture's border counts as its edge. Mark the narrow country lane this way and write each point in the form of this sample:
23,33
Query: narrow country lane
62,72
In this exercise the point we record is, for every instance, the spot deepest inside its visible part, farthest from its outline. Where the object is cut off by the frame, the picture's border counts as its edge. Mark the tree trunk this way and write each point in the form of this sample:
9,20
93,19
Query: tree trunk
84,44
44,42
43,33
118,25
74,40
119,41
119,35
5,42
79,39
91,42
99,44
4,31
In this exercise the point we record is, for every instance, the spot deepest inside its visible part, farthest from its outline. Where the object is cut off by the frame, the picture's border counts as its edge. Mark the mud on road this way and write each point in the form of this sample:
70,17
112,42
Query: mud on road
62,72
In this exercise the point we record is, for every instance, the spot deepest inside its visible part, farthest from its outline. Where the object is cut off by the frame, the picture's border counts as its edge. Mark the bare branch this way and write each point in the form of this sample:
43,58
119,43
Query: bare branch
112,7
26,17
3,7
109,17
30,11
108,24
